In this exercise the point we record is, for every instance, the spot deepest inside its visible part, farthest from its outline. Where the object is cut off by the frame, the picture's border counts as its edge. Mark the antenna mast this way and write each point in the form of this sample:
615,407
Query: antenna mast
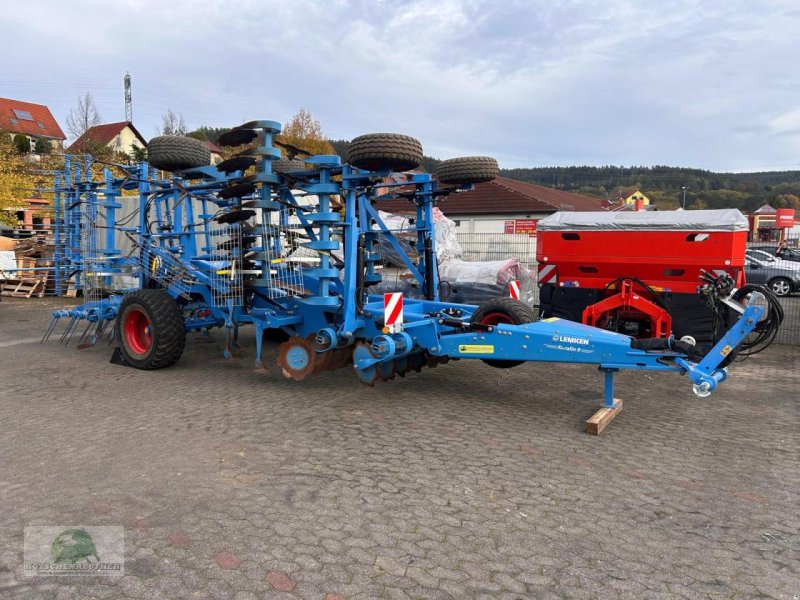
128,99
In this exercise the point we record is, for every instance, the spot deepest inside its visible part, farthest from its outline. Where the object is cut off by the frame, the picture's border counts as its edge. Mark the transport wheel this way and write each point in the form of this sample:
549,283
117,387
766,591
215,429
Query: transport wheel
381,151
503,310
467,169
150,329
287,165
175,152
781,286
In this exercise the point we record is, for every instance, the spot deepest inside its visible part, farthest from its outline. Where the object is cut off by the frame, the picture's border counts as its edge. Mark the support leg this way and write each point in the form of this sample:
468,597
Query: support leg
611,406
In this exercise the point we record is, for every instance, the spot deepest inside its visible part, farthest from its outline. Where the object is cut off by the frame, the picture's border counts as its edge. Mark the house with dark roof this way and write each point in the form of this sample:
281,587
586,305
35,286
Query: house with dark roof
34,120
498,205
117,137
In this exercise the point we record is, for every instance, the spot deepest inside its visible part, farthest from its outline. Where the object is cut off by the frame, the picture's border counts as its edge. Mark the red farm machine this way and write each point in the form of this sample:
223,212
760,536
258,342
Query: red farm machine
646,274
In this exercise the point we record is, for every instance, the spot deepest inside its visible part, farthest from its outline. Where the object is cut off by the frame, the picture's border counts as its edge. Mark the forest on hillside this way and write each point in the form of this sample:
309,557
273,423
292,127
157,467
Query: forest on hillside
664,185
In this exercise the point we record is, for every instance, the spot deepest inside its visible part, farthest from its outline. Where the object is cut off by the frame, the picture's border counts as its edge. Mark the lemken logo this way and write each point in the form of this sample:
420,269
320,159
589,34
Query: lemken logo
571,340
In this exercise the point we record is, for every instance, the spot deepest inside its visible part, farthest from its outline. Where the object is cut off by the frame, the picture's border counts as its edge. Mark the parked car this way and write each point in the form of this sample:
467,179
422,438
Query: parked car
780,279
792,254
773,260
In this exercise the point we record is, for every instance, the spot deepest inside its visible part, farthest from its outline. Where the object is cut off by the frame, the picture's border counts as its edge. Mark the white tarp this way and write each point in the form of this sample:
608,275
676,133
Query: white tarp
726,219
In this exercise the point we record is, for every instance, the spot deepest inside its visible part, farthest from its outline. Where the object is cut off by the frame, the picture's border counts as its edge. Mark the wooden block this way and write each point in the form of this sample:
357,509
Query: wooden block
599,420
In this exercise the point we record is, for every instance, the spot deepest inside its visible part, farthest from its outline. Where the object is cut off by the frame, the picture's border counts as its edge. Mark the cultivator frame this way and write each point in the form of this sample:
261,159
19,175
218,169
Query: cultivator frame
221,243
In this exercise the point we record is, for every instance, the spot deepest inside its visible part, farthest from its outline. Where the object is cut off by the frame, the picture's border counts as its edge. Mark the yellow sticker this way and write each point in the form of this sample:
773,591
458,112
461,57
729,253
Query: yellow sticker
476,349
551,319
725,351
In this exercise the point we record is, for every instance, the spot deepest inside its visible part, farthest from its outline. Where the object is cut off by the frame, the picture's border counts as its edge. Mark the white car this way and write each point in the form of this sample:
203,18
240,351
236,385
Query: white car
771,260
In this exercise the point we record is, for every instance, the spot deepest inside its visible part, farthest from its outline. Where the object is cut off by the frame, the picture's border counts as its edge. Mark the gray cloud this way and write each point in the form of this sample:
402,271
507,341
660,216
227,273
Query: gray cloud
709,84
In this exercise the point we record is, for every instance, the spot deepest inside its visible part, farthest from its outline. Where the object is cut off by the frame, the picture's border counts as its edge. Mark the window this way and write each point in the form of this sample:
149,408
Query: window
23,115
40,125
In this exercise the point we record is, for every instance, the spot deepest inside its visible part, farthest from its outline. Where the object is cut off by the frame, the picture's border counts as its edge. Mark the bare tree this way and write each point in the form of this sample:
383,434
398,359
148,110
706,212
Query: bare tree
83,116
172,124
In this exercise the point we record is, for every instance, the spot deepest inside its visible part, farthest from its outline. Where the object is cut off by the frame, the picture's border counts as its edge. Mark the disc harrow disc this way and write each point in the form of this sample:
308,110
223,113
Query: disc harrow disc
369,375
297,358
401,366
416,361
386,370
237,137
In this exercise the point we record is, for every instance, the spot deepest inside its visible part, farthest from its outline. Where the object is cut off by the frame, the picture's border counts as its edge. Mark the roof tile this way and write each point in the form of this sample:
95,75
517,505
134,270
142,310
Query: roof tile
39,114
505,196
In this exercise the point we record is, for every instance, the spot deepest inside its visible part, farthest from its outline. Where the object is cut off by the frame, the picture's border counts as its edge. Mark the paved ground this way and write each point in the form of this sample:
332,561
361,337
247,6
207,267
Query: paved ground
460,482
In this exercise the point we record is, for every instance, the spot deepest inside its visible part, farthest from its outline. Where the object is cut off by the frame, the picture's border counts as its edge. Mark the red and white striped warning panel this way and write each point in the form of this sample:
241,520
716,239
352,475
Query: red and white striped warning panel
547,274
393,310
513,289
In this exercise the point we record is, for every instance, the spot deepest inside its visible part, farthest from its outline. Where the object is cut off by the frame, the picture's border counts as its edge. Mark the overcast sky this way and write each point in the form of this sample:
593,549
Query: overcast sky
709,84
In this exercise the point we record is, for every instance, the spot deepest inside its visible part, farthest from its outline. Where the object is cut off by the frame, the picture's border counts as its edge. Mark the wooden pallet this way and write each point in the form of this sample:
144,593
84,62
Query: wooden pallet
24,287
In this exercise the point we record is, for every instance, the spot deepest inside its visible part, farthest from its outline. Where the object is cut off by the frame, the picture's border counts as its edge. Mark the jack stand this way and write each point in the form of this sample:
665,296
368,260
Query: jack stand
611,406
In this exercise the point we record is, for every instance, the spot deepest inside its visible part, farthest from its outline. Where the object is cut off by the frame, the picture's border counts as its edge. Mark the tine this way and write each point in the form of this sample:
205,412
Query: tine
86,330
71,333
50,329
101,329
66,331
112,335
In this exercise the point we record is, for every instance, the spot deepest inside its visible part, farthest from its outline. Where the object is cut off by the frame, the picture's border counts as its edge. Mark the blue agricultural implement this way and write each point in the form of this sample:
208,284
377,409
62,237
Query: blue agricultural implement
289,246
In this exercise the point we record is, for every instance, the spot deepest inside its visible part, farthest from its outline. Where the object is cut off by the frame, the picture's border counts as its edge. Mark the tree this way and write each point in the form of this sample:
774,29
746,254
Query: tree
16,179
304,132
83,116
43,146
22,143
137,153
172,123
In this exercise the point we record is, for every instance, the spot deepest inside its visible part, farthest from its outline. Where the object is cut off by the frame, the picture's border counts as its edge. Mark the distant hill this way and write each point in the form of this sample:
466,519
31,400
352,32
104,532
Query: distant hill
663,185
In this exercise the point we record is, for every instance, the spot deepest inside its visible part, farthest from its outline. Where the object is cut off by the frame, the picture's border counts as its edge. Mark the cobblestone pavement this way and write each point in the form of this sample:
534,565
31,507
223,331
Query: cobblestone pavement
459,482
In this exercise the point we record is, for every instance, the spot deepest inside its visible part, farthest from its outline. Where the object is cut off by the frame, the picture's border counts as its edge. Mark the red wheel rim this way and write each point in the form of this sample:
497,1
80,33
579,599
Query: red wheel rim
496,318
138,331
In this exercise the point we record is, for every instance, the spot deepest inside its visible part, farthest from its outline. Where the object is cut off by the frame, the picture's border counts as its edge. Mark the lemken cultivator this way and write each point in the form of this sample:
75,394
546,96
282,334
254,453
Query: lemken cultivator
217,247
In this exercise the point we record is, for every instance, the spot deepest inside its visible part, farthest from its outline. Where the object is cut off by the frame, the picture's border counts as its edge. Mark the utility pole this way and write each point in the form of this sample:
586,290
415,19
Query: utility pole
683,204
128,99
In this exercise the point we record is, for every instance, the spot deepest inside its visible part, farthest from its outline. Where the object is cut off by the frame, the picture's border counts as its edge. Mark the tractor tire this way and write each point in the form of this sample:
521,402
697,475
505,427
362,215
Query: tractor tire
150,329
287,165
381,151
503,310
468,169
175,152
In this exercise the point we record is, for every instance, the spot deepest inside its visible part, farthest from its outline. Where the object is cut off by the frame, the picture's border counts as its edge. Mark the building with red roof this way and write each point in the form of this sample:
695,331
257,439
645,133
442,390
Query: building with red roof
502,205
33,120
118,137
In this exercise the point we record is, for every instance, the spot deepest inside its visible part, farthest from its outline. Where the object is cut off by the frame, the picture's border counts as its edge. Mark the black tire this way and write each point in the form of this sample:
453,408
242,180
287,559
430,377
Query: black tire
175,152
287,165
381,151
780,286
467,169
163,345
503,310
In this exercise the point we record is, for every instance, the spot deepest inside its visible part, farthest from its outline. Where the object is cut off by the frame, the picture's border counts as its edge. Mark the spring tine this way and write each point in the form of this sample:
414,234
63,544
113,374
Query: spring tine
72,322
111,335
89,326
50,329
101,329
71,333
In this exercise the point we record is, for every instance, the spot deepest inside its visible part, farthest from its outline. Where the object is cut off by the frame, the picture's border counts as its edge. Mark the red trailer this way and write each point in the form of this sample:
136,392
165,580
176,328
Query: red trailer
638,272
